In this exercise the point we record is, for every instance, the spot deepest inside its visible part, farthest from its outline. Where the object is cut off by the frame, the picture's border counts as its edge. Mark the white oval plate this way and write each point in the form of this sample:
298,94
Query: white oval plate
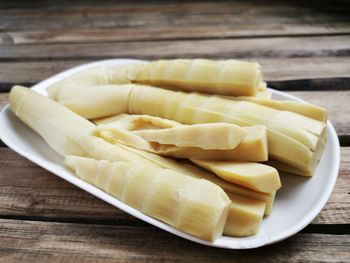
297,203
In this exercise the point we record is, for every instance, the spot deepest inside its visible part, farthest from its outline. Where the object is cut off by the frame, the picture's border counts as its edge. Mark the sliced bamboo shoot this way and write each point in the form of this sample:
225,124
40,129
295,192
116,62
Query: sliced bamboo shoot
137,122
308,110
99,149
217,136
103,98
196,108
244,217
255,176
59,127
244,151
167,195
46,118
264,94
123,74
282,167
228,77
253,147
191,170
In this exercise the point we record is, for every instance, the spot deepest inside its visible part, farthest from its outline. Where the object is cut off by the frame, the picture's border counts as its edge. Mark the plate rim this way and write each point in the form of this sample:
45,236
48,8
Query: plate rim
221,242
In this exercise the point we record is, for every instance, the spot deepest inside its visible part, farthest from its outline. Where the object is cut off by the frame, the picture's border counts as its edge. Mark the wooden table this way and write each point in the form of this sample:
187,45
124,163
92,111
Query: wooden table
304,49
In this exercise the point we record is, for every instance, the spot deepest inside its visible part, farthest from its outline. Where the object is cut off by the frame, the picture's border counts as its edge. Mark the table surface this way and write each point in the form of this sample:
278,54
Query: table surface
304,49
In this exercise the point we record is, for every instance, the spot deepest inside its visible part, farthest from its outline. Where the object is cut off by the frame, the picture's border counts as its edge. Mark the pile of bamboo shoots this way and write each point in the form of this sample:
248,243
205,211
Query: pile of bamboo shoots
196,143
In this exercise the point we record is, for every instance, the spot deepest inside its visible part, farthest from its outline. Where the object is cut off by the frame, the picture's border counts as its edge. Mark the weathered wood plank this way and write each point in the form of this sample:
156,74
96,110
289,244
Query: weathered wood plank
336,102
279,47
317,68
65,242
50,36
274,69
28,190
29,73
33,72
120,22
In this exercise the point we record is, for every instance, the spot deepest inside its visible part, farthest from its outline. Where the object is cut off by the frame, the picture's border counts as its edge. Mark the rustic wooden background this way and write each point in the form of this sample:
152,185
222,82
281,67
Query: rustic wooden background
304,49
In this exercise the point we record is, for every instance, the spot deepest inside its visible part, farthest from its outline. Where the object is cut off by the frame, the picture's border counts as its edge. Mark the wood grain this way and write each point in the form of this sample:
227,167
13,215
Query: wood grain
279,47
27,241
163,33
27,190
317,68
160,21
125,34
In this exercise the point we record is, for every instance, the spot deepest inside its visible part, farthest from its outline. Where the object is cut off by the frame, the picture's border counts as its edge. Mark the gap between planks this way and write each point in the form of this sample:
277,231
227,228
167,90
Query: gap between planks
125,36
334,229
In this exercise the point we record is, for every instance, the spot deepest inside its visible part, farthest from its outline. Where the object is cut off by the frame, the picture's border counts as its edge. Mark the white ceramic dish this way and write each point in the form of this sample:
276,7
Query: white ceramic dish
297,203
